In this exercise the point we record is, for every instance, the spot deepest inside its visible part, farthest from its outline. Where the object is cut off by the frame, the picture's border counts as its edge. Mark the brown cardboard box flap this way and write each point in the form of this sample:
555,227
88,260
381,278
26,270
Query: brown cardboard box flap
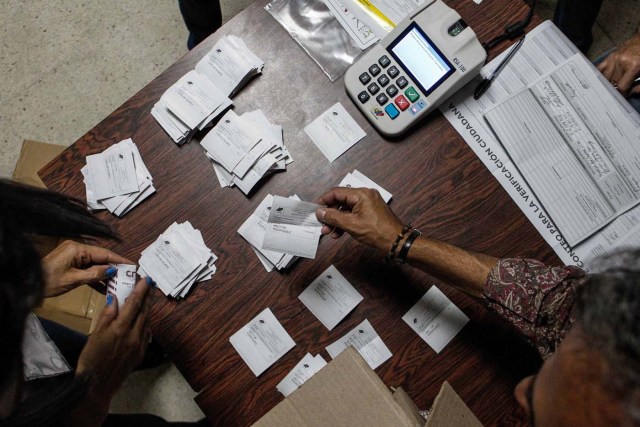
449,410
33,157
346,392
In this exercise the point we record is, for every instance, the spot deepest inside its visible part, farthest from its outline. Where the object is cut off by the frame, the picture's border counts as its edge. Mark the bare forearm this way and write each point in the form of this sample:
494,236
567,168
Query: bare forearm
457,267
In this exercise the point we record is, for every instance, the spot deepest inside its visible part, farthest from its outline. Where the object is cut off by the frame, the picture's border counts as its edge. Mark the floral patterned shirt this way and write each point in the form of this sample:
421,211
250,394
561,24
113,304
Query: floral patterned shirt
534,298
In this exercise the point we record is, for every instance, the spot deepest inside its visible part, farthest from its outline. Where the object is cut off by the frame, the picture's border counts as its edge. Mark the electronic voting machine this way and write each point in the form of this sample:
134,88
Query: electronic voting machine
419,64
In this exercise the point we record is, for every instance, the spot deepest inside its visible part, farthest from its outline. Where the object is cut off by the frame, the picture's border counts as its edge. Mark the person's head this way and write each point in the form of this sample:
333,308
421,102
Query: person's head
26,212
594,376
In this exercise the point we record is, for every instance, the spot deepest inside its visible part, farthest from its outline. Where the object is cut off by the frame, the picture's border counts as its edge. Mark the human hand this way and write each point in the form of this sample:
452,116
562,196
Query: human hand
362,213
622,66
116,347
72,264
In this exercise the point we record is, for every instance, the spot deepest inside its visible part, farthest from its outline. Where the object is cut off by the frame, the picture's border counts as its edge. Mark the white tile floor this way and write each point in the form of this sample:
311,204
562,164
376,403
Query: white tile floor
67,64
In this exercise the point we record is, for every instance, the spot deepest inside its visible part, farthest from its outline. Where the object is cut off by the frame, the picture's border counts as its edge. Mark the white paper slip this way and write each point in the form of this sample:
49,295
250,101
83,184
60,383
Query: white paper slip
330,297
292,228
262,342
113,174
436,319
121,285
334,132
304,370
359,32
356,179
366,340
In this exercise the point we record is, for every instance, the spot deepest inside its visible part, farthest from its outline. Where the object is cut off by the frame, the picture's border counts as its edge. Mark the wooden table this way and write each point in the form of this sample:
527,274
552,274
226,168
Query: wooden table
435,178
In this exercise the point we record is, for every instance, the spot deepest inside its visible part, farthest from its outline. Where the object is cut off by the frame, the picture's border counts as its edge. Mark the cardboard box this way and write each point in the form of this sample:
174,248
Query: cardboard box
347,392
74,309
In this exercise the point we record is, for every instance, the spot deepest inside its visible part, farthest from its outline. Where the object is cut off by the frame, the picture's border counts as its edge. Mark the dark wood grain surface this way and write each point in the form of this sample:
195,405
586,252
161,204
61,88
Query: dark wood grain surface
435,178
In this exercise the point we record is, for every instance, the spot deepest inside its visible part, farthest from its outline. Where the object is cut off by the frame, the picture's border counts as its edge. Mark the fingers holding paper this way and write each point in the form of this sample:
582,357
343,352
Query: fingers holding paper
362,213
72,264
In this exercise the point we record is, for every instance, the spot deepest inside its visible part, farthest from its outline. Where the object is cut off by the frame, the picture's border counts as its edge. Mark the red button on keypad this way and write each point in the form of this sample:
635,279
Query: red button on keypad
402,102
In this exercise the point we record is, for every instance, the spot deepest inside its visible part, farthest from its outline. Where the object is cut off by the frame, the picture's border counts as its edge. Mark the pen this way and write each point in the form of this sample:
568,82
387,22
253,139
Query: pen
486,83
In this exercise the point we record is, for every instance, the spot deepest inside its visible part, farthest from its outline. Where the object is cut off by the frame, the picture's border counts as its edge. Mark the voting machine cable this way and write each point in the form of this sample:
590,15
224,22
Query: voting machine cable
513,31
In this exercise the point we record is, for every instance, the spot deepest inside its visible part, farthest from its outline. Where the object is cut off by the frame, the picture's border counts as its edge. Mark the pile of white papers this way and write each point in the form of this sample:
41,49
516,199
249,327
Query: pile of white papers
117,179
334,132
262,342
330,297
368,343
203,94
245,149
436,319
177,260
305,369
253,231
356,179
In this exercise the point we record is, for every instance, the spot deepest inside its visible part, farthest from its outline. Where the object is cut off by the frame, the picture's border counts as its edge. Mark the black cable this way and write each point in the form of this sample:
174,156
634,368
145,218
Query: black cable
512,31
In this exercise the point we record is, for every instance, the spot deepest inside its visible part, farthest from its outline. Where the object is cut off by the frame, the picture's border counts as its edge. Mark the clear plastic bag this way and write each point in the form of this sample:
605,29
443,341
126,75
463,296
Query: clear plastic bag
318,32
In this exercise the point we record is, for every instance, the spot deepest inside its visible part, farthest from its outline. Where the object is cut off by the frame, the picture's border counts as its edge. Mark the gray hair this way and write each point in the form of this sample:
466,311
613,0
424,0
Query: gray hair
608,310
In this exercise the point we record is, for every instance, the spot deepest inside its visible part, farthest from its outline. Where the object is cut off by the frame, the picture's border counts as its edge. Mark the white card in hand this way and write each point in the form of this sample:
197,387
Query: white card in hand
113,174
357,179
121,285
262,342
436,319
330,297
292,228
334,132
366,340
304,370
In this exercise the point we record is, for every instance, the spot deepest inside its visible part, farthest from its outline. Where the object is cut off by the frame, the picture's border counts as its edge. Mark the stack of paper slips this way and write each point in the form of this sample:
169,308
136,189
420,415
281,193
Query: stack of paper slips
356,179
304,370
117,179
203,94
253,231
245,149
177,260
230,64
189,105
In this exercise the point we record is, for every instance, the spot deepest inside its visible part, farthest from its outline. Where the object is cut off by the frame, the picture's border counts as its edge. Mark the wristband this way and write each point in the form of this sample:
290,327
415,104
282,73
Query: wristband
392,252
402,257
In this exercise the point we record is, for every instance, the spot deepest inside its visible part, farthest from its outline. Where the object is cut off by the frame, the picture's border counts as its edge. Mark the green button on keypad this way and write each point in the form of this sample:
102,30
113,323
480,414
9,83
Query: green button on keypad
412,94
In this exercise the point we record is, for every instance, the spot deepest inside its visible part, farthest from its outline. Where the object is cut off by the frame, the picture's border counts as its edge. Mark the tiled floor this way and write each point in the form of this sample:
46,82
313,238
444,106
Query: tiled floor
67,64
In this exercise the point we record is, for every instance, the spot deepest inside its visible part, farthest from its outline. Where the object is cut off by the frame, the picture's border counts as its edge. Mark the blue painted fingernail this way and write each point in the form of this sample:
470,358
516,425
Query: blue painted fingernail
109,299
111,271
150,282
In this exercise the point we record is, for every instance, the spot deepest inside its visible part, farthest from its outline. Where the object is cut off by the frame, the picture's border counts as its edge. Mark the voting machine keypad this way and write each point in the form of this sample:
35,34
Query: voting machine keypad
393,101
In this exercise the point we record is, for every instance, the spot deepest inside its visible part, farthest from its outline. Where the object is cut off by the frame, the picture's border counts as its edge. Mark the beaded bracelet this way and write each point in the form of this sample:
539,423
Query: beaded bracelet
402,257
392,252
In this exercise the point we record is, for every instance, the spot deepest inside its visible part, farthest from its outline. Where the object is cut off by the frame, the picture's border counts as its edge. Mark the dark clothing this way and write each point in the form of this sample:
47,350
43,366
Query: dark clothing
576,18
202,18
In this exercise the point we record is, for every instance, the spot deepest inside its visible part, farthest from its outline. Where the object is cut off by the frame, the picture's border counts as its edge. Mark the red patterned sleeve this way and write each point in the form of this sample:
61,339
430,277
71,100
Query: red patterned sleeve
535,299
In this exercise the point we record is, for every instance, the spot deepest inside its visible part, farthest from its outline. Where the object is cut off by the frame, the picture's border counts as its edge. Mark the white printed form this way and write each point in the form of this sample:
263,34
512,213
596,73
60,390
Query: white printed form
382,16
121,285
366,340
113,173
436,319
305,369
334,132
262,342
564,135
330,297
356,179
360,33
230,141
292,228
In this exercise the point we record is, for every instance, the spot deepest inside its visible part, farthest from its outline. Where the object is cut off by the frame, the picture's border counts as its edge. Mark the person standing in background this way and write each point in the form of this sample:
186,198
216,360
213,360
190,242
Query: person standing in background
202,18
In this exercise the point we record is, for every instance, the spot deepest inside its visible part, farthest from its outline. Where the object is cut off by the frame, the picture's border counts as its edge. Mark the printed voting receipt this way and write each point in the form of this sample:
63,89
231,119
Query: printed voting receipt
304,370
292,228
113,173
366,340
262,342
436,319
330,297
334,132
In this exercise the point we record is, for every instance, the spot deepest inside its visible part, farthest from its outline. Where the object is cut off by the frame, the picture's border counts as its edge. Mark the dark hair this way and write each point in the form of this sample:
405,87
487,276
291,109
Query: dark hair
608,311
24,212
